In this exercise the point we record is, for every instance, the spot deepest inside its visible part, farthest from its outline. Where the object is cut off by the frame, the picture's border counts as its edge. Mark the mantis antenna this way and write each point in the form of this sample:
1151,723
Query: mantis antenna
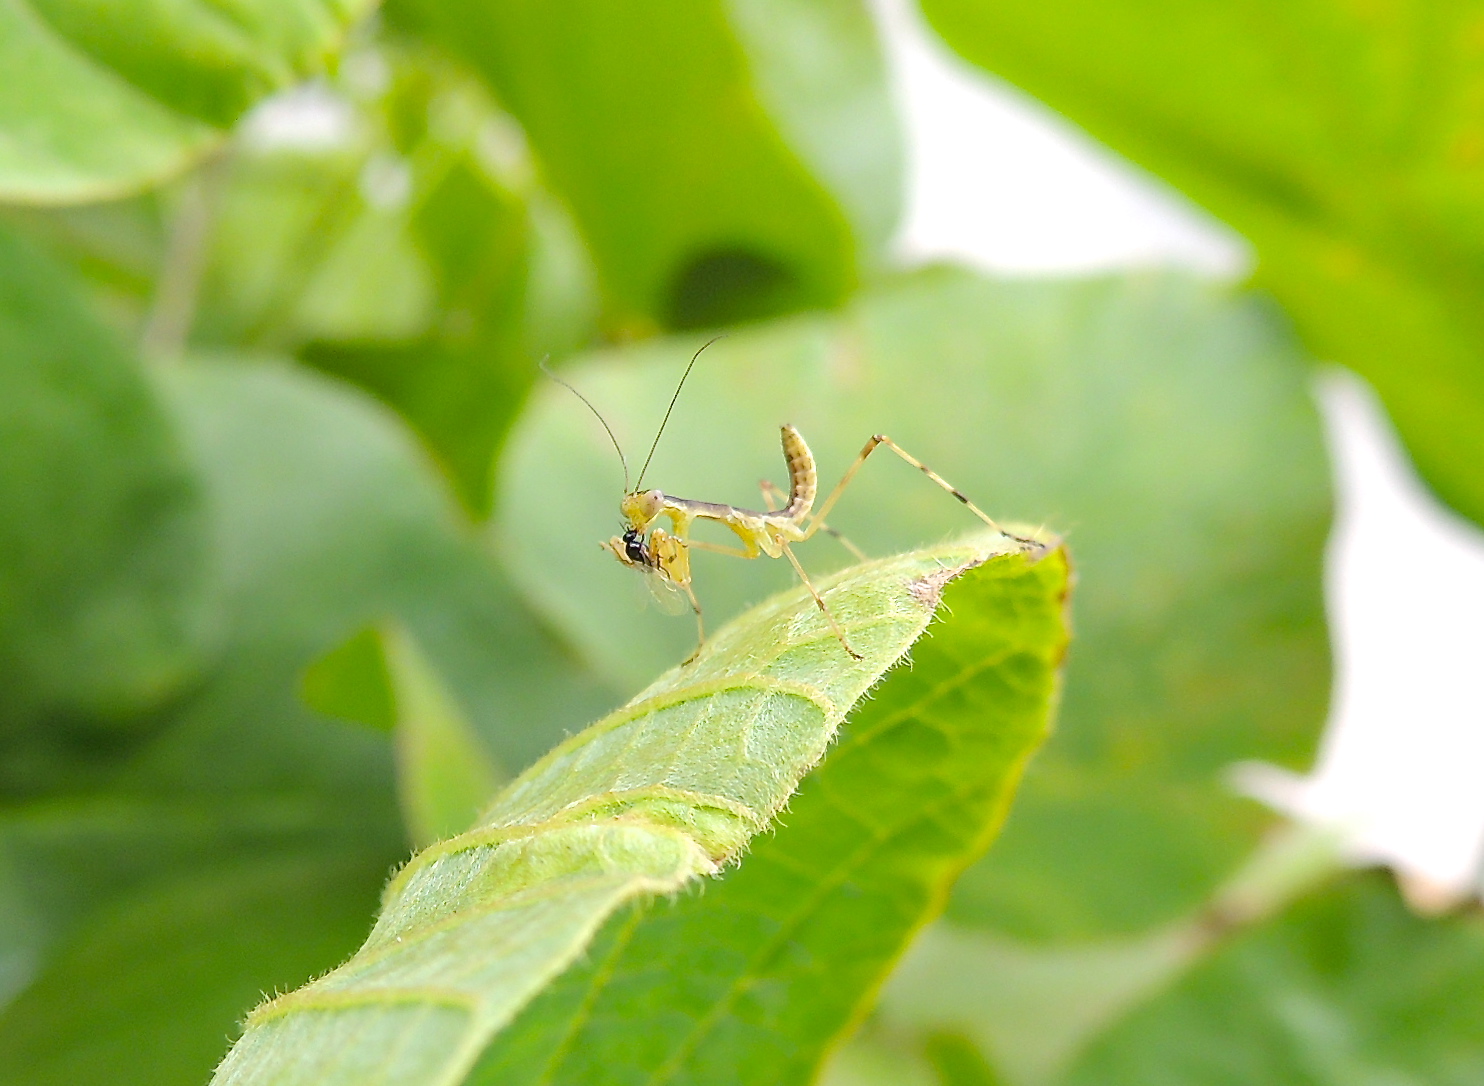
597,415
666,419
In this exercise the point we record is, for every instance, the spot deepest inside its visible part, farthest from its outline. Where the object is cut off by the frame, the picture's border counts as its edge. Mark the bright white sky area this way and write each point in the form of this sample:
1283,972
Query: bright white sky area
999,182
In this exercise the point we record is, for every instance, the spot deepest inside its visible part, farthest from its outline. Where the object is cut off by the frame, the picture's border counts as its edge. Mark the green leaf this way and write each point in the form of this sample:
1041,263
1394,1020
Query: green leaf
329,519
323,517
101,99
868,1060
756,979
724,160
461,382
1026,1011
298,253
115,248
185,956
351,682
665,790
444,775
1163,423
1346,988
379,677
1343,140
1030,1012
414,261
102,537
958,1063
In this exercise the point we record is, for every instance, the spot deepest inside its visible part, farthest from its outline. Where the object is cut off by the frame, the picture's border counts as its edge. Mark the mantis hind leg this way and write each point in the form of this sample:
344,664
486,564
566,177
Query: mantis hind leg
816,522
829,617
774,498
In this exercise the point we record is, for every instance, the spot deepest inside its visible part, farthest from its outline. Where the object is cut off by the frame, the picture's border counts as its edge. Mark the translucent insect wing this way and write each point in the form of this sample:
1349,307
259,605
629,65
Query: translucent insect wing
669,598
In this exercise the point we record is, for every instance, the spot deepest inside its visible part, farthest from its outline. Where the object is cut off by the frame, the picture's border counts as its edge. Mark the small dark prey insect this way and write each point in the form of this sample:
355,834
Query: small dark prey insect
665,555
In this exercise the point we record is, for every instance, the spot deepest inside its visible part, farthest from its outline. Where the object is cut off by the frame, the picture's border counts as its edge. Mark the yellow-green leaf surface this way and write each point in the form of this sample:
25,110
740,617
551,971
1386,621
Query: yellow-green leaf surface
1346,140
666,790
725,159
103,99
757,979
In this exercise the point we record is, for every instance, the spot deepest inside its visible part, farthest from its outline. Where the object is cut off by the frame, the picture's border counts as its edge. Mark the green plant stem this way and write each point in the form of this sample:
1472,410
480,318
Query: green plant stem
167,327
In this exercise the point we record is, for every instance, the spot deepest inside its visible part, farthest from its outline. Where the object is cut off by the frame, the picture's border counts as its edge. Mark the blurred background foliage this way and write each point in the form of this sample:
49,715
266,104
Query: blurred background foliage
294,563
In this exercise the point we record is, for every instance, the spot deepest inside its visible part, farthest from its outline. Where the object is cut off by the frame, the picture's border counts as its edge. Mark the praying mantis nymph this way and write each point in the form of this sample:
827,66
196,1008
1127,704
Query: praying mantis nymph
665,555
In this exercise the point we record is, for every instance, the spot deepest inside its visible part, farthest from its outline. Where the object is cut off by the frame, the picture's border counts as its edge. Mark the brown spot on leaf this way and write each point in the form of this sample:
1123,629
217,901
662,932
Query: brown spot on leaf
928,589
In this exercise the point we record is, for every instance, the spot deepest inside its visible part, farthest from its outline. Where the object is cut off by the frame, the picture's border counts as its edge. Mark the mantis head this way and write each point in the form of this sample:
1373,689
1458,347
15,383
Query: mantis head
639,509
661,552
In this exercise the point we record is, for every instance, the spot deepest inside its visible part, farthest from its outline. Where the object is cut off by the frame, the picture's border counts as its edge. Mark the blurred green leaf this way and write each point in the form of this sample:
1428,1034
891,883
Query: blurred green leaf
146,990
444,775
674,785
958,1063
297,253
1346,141
324,518
1028,1012
1164,424
1025,1011
102,540
416,258
114,248
725,161
757,979
869,1060
329,519
460,383
1347,988
351,682
102,99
